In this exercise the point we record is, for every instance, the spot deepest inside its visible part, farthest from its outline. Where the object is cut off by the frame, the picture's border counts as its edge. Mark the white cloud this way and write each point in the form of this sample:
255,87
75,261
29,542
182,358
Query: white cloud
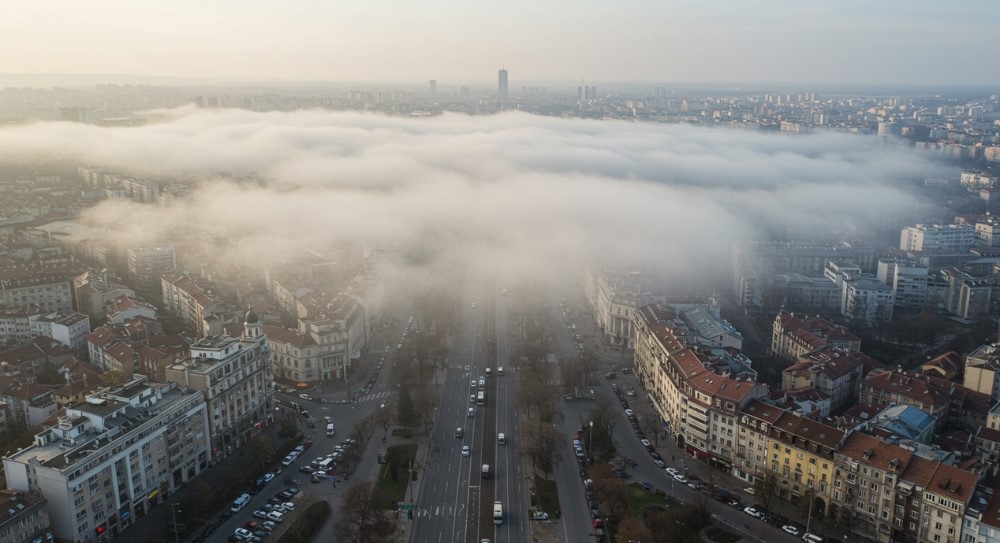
512,191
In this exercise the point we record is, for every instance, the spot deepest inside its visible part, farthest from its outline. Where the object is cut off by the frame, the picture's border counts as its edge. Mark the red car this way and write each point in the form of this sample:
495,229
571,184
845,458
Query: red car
598,523
252,526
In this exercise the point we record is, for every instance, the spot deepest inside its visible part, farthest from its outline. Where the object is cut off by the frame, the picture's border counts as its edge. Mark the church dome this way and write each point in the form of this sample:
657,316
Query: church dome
251,317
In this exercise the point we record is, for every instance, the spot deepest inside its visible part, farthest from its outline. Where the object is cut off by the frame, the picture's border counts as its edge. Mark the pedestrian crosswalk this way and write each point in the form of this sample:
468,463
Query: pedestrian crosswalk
374,396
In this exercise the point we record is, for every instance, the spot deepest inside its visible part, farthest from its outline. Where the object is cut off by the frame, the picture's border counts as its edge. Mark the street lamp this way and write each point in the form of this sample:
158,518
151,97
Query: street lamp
173,515
809,496
409,481
590,452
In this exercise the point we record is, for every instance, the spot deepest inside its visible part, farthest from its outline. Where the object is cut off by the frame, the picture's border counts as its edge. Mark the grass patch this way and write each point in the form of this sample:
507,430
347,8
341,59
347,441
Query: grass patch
387,490
721,536
641,499
546,496
402,432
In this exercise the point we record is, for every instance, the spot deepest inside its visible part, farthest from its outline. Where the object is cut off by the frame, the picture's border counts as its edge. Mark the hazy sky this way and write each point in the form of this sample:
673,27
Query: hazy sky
842,41
519,195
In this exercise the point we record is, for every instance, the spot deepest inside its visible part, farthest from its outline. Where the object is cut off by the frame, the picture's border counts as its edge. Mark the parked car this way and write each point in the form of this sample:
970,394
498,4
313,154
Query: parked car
275,516
788,528
261,514
753,512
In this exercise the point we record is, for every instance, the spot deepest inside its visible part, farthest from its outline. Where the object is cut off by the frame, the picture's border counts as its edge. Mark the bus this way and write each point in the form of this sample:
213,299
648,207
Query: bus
497,513
481,398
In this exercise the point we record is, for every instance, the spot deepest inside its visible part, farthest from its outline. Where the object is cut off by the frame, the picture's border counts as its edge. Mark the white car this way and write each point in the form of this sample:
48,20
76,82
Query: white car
629,413
753,512
289,506
681,479
472,411
673,471
243,532
275,516
646,443
466,451
788,528
812,538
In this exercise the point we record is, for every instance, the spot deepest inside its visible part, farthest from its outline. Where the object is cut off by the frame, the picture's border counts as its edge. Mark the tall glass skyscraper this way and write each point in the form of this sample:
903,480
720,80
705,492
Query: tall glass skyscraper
502,90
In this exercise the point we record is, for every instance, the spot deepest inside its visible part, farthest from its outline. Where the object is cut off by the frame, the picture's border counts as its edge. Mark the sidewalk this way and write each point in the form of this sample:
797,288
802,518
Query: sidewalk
219,476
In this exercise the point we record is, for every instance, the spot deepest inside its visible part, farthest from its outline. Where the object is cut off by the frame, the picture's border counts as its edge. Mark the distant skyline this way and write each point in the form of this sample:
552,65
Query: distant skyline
889,42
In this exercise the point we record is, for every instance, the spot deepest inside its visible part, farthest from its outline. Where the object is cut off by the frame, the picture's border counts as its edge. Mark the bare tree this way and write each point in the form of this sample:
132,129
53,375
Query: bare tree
764,487
543,446
263,450
632,529
612,494
360,519
600,438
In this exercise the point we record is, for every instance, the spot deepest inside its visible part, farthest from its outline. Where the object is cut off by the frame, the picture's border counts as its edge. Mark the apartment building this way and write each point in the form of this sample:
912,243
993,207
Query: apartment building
835,373
754,445
94,291
802,458
28,403
864,484
15,322
907,279
982,370
123,308
950,237
884,388
613,299
109,459
700,408
195,304
867,300
71,329
793,336
24,518
235,376
146,265
318,351
50,292
133,331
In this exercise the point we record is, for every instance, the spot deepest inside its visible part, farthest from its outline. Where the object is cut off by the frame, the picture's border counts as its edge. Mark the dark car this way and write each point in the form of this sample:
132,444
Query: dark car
775,519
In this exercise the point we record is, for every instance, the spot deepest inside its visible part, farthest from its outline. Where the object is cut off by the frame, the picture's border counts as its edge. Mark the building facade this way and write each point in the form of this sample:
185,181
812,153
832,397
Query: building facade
24,518
113,457
235,376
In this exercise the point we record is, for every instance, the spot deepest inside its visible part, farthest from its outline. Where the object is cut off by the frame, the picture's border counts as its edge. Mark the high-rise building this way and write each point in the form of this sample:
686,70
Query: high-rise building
146,265
434,86
502,93
109,459
235,376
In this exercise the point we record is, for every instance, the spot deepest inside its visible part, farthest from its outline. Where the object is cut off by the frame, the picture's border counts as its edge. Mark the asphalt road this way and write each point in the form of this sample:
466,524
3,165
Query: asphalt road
455,503
444,513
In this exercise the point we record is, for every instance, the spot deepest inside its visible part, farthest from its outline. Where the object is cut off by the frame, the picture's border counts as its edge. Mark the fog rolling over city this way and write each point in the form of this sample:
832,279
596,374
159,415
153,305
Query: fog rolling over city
514,194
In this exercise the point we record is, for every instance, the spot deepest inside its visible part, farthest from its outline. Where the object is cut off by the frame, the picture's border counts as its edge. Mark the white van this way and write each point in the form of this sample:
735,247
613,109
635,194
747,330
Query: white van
240,503
501,438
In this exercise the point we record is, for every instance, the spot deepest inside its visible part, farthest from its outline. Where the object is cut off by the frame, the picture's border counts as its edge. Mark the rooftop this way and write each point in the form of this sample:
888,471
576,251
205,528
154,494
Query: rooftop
99,420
